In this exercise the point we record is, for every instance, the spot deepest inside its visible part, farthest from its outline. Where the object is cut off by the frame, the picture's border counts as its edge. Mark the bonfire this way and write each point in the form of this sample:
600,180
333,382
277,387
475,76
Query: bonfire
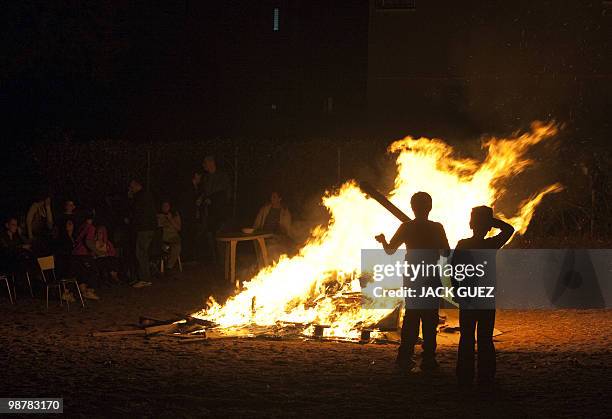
320,285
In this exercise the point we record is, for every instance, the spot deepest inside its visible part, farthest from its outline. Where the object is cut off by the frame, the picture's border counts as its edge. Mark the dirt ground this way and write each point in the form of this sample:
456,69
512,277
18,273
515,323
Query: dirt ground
550,364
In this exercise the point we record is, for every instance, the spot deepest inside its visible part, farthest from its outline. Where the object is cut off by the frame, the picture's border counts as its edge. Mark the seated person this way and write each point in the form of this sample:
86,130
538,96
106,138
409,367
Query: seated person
16,256
83,262
106,255
64,246
170,222
68,214
275,218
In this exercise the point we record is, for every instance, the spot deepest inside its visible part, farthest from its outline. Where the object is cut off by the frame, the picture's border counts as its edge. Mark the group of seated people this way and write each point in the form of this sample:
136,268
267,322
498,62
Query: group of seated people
85,253
81,248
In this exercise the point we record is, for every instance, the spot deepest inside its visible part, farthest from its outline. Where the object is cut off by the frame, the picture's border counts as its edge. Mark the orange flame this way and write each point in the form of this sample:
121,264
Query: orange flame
311,287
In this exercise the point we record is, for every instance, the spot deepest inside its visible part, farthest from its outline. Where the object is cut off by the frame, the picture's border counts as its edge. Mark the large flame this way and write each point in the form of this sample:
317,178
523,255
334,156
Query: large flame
311,287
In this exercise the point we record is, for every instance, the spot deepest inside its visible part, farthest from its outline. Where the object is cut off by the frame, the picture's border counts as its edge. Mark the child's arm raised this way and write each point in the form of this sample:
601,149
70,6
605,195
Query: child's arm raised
396,241
505,234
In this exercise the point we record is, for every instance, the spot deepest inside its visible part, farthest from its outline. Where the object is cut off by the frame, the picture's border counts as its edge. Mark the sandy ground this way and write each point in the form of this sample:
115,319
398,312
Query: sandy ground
550,364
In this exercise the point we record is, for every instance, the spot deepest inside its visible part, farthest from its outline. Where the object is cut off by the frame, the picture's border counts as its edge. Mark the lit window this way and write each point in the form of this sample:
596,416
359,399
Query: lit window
275,24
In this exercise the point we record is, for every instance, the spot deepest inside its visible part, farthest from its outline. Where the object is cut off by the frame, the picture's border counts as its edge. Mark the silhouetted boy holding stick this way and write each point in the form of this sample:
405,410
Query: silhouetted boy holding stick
478,313
425,241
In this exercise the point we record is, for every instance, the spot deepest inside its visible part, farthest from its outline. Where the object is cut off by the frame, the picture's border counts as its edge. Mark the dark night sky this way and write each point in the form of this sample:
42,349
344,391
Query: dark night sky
166,71
176,70
490,66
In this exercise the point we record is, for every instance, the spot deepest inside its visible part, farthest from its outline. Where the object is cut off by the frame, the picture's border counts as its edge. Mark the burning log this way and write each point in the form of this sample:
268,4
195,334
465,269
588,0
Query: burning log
365,335
373,193
390,321
318,330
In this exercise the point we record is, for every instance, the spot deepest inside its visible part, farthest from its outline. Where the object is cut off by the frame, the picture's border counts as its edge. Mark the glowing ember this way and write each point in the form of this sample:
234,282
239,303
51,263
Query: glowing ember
310,287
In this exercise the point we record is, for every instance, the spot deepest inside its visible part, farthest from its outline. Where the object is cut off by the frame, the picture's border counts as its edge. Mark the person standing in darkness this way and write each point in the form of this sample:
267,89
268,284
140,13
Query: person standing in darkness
192,218
39,224
144,223
216,198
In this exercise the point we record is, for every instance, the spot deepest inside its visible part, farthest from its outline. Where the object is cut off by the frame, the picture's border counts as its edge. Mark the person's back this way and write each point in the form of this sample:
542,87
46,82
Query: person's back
478,313
424,239
425,242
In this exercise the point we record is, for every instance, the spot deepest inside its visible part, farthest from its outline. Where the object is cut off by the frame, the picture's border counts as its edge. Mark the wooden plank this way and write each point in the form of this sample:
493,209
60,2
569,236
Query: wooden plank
382,200
119,332
160,328
186,337
144,321
193,340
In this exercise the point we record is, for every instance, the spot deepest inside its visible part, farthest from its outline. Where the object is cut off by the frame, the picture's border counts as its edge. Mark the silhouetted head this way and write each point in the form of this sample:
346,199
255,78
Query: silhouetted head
166,207
11,225
43,197
135,186
69,227
421,204
101,233
89,216
276,199
480,220
209,164
69,207
196,177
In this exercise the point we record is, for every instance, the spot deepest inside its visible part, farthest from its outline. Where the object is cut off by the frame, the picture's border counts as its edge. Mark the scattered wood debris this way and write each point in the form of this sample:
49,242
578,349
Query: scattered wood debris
119,332
185,326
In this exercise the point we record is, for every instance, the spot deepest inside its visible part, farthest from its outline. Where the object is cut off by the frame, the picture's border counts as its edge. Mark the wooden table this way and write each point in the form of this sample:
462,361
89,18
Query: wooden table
232,240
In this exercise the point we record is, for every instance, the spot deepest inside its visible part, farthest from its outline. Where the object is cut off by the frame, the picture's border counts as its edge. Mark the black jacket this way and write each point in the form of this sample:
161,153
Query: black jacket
143,212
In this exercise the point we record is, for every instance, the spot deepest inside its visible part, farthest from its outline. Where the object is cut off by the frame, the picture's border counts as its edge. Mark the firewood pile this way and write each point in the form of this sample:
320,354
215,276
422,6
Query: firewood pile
191,329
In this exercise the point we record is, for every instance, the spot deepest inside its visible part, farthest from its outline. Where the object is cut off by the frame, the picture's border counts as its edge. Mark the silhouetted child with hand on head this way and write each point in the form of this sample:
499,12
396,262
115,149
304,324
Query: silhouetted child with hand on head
425,241
479,314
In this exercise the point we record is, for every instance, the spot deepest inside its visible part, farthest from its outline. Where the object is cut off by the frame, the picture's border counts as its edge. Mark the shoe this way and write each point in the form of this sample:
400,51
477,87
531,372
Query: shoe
90,294
405,362
429,364
142,284
68,297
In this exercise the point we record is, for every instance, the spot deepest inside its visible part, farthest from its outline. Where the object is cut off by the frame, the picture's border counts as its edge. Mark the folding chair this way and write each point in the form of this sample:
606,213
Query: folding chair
47,264
27,277
162,262
8,287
